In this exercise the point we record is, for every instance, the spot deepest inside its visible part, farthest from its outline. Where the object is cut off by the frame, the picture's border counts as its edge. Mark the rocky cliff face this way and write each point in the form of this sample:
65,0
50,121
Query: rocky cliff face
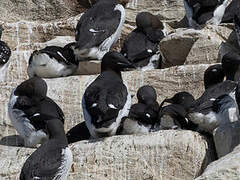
30,25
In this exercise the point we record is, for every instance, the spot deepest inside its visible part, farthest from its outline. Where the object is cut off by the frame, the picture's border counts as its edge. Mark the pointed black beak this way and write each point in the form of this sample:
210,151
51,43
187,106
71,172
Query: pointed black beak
165,100
169,101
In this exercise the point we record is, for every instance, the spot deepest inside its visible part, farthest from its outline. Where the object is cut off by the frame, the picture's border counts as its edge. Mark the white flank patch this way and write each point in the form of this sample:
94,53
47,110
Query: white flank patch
149,50
94,31
23,126
119,63
218,14
62,56
88,119
148,115
112,106
66,163
189,13
109,42
36,114
94,105
153,63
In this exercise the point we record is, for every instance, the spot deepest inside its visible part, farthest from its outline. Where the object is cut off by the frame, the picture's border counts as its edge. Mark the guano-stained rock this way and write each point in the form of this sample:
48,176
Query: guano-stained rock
68,91
160,155
227,167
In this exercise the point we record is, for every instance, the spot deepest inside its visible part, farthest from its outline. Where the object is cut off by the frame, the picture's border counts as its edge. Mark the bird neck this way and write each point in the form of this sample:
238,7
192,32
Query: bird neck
56,130
112,72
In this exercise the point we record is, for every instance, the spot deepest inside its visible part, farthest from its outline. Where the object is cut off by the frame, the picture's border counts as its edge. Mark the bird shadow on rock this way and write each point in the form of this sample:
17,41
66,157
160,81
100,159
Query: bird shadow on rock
231,45
211,155
95,140
13,140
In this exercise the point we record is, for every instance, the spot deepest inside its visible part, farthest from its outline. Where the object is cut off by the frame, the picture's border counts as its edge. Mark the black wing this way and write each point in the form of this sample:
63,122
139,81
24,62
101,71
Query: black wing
43,163
179,114
96,25
137,47
49,109
214,92
78,133
59,53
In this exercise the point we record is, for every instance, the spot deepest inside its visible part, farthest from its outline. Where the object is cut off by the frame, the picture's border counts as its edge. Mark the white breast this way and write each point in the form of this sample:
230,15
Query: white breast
132,127
153,63
43,66
66,163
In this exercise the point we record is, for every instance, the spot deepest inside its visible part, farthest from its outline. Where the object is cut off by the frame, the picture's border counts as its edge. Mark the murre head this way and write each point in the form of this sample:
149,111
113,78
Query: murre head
1,30
150,25
143,113
146,94
34,88
230,64
184,99
214,74
115,61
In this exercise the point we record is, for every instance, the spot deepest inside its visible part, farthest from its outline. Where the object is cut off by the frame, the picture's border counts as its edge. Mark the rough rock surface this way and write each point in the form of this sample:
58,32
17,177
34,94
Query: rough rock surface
227,167
42,10
189,46
226,138
67,92
161,155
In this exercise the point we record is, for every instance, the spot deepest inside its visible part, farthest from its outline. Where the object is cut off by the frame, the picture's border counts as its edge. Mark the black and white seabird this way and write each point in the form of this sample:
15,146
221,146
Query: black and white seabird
5,51
99,29
53,159
53,61
175,115
141,46
107,100
215,112
25,110
214,106
143,115
204,12
214,74
218,104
